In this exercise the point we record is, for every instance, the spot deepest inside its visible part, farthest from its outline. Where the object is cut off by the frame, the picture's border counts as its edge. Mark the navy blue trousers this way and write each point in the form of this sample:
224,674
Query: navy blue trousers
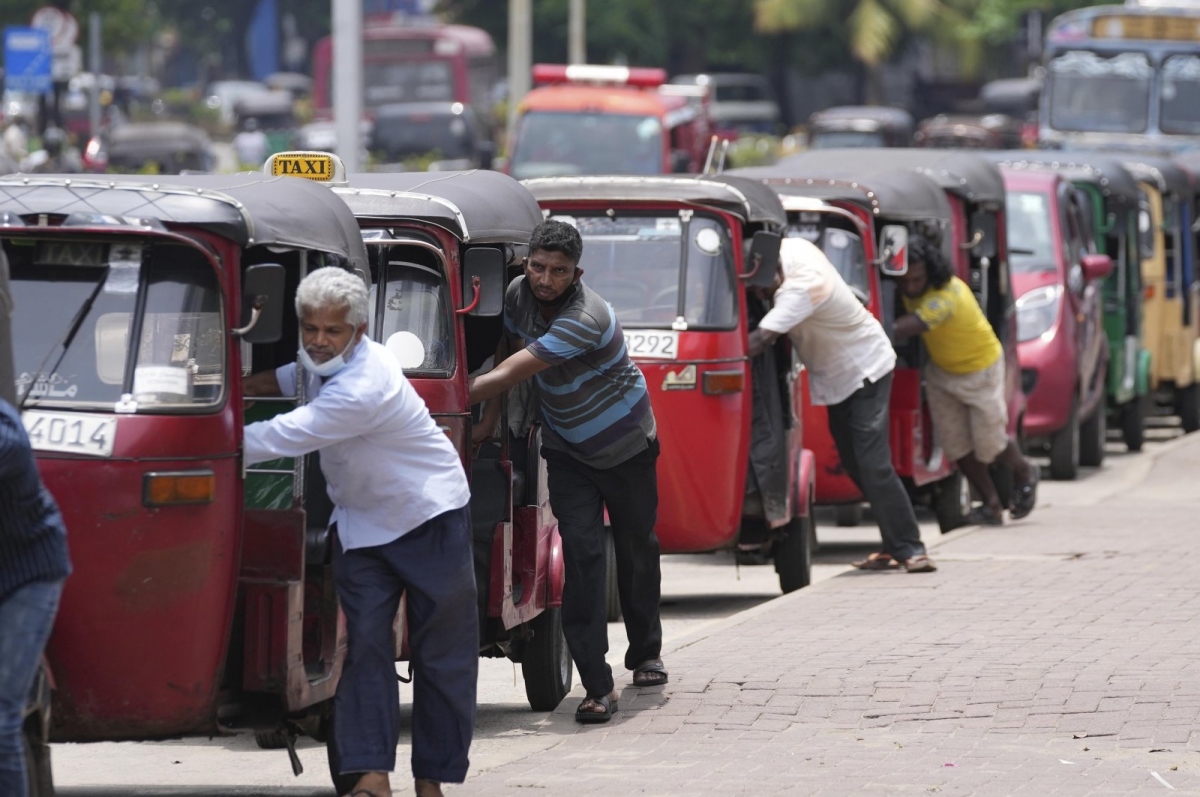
432,564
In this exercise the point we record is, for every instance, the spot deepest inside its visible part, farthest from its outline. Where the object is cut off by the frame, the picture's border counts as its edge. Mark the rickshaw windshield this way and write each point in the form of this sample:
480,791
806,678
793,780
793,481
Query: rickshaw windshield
836,139
166,295
414,312
634,263
1030,239
844,250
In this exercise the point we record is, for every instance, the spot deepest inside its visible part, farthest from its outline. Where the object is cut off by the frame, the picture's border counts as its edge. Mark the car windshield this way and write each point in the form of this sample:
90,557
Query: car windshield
1179,94
633,262
180,357
1030,235
1091,93
407,81
551,144
834,139
414,309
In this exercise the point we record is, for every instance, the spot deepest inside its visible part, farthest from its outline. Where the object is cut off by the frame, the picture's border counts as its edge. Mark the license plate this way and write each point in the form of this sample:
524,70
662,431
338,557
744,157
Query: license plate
653,344
71,432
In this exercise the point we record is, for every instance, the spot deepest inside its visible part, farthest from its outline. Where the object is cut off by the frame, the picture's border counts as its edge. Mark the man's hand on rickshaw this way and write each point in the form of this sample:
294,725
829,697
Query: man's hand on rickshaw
760,339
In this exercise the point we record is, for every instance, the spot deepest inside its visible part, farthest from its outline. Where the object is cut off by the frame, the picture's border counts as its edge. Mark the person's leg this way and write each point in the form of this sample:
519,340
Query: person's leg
869,431
630,492
26,617
843,439
434,561
579,508
367,703
984,394
980,478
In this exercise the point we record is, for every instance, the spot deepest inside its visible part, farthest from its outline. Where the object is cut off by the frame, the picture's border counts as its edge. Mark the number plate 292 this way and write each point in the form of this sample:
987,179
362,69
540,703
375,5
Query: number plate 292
71,432
654,344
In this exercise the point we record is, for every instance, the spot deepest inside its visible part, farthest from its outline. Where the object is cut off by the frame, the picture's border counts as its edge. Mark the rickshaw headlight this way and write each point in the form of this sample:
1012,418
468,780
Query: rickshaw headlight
1037,311
717,383
178,487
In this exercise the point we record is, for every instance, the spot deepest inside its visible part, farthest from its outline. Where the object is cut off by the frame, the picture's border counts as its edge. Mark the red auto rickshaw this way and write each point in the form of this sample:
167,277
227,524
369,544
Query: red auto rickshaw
435,245
674,255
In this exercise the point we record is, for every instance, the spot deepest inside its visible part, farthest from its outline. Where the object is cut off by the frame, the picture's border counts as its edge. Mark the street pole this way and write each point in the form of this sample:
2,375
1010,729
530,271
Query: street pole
347,80
520,60
577,32
94,64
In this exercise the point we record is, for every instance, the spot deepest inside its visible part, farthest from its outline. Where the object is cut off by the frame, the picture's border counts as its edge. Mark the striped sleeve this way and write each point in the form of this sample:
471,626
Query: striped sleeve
567,338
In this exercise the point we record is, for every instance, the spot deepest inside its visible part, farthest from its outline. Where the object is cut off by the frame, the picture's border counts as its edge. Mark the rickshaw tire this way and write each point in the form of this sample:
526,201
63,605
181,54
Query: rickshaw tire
1065,449
546,665
612,600
794,554
38,774
271,740
1188,406
1133,422
948,502
1093,434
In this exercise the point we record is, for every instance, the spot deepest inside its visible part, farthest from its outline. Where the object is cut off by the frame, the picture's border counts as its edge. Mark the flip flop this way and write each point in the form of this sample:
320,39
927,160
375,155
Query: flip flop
654,666
590,717
877,561
1026,496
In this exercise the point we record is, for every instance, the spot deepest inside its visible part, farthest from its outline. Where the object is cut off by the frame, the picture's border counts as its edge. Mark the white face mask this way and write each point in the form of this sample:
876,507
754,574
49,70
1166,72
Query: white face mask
330,366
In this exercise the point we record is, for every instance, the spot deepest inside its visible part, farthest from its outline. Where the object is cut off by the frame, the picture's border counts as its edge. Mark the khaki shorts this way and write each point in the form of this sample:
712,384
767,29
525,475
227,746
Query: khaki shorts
969,411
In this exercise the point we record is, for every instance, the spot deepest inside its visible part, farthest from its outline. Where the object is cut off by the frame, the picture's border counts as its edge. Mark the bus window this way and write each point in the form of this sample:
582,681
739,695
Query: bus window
1091,93
1180,94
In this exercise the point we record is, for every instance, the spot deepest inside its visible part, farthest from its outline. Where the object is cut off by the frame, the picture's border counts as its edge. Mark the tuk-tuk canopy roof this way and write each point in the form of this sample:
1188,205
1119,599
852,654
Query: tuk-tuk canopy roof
152,138
855,117
890,193
1015,96
250,209
1168,175
1105,172
477,206
967,175
747,199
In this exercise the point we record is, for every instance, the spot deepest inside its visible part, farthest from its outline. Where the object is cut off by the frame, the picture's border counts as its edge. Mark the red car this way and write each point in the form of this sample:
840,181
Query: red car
1062,347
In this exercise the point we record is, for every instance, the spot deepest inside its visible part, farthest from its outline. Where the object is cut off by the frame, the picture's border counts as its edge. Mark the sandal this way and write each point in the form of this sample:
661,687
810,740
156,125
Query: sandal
1026,495
984,516
607,703
919,564
652,669
876,561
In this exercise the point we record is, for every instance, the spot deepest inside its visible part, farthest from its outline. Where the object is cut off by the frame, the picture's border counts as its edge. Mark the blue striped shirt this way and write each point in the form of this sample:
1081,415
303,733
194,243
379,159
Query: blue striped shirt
593,399
33,539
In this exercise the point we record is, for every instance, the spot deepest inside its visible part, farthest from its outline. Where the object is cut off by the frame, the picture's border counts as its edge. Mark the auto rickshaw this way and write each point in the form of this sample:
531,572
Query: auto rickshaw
674,257
190,611
436,245
1121,228
975,240
1172,325
852,217
964,131
151,148
860,126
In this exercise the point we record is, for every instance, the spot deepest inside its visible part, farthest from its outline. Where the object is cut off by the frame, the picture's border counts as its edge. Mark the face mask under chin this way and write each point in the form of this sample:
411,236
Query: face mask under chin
329,367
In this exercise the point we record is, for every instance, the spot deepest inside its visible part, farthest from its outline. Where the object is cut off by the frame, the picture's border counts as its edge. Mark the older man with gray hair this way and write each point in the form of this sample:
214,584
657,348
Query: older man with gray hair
403,523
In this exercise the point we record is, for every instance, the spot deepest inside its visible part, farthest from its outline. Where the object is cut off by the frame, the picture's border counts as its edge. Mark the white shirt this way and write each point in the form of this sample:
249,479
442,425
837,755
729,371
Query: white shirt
251,146
388,465
838,340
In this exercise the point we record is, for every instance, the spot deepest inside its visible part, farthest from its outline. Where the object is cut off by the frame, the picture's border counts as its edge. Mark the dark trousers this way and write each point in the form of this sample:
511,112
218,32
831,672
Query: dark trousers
26,617
432,565
578,496
860,430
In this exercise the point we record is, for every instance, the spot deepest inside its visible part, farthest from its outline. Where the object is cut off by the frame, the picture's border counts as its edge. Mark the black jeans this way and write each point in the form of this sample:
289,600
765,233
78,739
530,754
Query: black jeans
578,495
432,565
860,430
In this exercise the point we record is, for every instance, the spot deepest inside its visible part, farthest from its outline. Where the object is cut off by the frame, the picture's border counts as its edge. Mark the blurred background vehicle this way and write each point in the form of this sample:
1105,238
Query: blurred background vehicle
151,148
860,126
970,131
440,136
741,102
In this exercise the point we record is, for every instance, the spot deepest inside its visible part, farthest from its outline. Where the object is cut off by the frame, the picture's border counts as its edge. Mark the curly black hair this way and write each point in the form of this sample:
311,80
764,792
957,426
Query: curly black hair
923,250
557,236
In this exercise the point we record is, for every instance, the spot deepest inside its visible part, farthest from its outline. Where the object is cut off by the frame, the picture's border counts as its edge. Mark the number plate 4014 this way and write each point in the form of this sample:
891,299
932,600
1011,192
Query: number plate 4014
71,432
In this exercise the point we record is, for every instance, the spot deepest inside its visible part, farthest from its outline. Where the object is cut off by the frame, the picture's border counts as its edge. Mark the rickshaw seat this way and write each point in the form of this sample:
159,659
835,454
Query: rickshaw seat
316,544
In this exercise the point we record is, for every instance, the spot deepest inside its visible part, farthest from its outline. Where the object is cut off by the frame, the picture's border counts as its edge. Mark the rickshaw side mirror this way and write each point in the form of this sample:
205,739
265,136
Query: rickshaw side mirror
983,234
262,304
1096,267
893,241
763,260
483,282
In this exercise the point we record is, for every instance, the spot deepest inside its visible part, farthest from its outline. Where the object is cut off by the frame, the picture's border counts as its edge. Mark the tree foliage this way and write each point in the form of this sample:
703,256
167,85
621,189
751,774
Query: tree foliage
126,24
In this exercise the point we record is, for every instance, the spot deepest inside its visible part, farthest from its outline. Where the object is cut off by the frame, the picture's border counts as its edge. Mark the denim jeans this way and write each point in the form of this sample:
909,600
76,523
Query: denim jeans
26,617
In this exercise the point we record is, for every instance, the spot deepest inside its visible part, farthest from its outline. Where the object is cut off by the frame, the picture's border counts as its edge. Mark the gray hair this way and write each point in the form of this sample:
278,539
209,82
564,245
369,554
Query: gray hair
333,287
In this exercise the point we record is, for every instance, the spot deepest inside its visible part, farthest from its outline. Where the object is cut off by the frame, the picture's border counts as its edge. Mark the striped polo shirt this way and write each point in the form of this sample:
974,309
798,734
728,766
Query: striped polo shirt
593,400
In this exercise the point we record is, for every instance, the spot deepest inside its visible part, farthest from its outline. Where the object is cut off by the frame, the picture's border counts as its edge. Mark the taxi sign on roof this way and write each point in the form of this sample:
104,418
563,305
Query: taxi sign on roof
322,167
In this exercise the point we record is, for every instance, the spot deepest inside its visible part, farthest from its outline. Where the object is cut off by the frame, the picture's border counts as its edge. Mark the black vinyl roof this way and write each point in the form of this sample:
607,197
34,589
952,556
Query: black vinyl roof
1103,171
746,198
478,206
250,209
962,173
892,193
1168,175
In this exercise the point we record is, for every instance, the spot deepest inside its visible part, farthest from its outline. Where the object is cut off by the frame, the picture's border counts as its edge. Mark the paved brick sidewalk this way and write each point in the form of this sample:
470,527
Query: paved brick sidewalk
1056,656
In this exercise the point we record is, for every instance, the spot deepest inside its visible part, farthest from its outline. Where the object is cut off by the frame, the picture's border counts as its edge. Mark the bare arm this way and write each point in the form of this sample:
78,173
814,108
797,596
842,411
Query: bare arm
908,326
263,383
760,339
514,369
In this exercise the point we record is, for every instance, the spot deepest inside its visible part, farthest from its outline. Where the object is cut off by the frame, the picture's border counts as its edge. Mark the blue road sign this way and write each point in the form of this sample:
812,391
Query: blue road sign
27,59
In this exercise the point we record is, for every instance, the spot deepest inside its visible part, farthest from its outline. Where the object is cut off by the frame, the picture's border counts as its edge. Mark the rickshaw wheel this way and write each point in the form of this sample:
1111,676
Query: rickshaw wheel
793,554
1064,449
1133,421
546,664
1188,406
952,501
1094,433
39,778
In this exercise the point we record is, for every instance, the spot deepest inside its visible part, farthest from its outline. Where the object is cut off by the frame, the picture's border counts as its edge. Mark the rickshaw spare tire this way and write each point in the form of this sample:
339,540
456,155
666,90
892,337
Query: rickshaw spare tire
1133,421
546,665
794,554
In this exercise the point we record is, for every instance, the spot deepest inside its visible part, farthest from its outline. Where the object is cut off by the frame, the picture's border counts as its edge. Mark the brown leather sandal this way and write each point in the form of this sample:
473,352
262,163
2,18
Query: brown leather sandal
877,561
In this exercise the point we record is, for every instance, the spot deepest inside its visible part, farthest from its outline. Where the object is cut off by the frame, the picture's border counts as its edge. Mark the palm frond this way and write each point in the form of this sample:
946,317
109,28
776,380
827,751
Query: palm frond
873,32
775,16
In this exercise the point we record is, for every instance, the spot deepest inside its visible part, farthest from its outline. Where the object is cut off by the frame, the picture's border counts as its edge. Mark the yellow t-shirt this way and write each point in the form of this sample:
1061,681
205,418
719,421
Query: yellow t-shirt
959,339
